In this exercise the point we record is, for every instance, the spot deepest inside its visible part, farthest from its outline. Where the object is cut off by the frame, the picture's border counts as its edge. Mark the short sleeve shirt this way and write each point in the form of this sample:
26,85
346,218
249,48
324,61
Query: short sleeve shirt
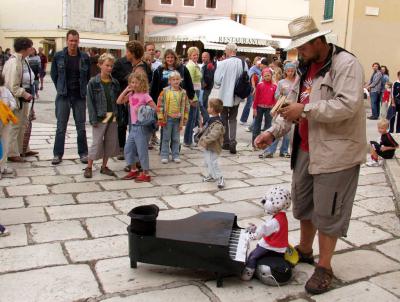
135,101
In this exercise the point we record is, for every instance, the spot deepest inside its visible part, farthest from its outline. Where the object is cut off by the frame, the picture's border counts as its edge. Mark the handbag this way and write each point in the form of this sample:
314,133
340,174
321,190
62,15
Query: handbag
146,116
28,128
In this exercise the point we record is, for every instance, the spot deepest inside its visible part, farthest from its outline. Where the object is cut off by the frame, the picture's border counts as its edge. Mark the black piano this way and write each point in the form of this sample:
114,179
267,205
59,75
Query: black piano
210,241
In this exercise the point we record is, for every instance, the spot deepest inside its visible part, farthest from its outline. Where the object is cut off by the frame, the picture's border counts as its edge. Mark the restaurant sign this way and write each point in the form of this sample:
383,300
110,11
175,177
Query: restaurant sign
165,20
239,40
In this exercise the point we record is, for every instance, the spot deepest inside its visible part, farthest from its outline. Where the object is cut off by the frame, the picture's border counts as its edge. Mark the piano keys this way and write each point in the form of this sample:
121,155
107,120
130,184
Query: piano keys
209,241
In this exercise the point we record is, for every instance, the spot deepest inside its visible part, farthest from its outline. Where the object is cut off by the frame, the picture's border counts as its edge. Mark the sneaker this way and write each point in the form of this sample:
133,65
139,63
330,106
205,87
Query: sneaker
247,274
31,153
155,140
248,129
56,160
127,168
242,123
107,171
266,155
121,157
305,257
221,182
286,155
209,178
3,231
320,281
225,147
373,163
164,160
84,159
131,175
143,178
232,149
177,160
88,172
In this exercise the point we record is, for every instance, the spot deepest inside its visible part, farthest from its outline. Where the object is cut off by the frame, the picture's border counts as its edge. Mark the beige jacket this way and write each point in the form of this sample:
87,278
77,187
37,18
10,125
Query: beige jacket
12,73
336,115
212,137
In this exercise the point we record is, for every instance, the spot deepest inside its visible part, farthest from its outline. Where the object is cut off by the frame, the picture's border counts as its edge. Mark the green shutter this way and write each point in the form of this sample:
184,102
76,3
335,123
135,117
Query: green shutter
328,10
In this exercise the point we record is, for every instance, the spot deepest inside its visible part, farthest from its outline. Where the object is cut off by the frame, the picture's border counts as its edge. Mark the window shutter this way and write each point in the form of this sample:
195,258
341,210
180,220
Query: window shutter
328,9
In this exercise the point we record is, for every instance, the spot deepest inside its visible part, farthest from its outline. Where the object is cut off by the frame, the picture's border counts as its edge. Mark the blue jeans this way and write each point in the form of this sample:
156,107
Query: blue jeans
247,109
170,136
261,112
203,101
63,108
137,146
375,100
284,147
191,123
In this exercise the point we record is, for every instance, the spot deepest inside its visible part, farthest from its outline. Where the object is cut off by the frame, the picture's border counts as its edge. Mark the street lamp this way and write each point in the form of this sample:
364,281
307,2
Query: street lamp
184,49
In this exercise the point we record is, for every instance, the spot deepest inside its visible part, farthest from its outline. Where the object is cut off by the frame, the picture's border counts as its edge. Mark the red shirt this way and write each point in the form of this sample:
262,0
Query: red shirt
305,99
265,95
280,238
386,96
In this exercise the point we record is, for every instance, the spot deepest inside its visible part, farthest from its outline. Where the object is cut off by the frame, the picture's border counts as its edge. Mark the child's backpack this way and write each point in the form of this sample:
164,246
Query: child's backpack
243,86
146,116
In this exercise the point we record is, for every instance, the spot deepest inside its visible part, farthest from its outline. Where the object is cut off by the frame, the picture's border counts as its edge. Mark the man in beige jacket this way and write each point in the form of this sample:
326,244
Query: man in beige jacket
329,143
18,79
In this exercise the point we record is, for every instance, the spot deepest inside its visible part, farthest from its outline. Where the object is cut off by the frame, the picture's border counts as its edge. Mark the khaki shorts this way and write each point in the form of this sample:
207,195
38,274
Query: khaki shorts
325,199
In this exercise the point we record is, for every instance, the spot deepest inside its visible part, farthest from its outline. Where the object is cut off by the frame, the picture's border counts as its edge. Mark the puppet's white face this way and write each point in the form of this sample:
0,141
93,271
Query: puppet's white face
276,199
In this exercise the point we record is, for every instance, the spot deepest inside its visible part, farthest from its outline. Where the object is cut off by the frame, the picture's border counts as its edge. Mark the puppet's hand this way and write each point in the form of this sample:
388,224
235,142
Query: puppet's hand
251,228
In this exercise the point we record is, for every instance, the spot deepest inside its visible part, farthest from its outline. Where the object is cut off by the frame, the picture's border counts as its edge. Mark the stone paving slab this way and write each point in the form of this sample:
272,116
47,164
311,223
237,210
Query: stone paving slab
389,282
150,192
116,275
210,186
105,196
176,214
362,263
75,188
22,215
362,291
183,201
124,185
377,204
27,190
360,233
12,181
176,179
389,222
390,248
128,204
51,180
49,200
57,231
55,284
36,172
11,203
242,193
95,249
27,257
179,294
105,226
241,209
17,237
80,211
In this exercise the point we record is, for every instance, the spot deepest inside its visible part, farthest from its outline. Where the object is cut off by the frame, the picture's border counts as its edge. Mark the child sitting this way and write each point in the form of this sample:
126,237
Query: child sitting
137,145
172,112
273,233
385,148
102,93
211,139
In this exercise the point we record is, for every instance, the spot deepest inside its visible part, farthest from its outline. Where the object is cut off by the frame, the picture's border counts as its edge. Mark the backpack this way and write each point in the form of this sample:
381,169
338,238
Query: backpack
146,116
243,86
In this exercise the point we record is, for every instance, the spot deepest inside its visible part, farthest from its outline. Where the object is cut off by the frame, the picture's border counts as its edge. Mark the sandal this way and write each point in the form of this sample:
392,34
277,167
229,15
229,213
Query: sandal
107,171
320,281
3,231
305,257
88,172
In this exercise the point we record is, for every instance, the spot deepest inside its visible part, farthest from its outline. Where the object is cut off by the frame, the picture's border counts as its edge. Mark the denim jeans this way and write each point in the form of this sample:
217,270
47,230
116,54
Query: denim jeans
191,123
284,147
63,108
170,137
375,100
137,146
247,109
211,162
203,102
261,112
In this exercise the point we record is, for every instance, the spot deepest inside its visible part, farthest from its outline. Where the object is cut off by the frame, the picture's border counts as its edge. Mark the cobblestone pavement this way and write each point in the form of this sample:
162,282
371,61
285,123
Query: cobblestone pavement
68,237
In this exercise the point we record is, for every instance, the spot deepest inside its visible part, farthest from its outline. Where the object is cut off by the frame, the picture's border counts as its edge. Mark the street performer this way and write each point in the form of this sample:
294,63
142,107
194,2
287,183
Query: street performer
329,143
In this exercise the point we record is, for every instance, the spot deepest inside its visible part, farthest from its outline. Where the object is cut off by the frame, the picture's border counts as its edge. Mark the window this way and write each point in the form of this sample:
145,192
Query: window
188,2
239,18
328,9
211,3
166,1
98,9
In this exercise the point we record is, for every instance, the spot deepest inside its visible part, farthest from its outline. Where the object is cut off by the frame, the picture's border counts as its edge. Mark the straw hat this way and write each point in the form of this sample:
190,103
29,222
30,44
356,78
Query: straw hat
303,30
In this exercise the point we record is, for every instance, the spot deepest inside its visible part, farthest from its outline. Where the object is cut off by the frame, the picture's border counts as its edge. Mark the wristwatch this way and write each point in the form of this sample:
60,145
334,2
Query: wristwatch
306,109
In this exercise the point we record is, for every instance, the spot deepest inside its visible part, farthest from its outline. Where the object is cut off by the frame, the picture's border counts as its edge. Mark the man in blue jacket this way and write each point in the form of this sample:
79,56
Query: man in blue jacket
70,74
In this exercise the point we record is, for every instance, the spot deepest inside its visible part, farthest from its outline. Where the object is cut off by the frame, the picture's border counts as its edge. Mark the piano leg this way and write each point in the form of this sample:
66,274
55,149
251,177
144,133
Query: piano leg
133,263
220,280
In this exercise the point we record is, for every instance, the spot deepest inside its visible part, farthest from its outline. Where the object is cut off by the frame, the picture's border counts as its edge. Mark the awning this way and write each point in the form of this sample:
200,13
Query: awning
221,30
102,43
249,49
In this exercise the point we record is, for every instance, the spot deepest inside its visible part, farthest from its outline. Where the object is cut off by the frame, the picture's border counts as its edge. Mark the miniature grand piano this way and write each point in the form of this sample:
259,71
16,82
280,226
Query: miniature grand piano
209,241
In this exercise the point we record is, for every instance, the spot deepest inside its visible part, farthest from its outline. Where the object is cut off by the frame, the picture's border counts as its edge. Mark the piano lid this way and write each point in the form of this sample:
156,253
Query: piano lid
206,227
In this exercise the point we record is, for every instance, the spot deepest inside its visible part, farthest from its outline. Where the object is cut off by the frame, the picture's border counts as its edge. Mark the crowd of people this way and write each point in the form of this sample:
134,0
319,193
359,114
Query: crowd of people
137,102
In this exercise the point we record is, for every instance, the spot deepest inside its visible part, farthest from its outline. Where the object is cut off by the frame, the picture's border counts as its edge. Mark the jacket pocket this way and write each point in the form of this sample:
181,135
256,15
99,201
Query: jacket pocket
326,88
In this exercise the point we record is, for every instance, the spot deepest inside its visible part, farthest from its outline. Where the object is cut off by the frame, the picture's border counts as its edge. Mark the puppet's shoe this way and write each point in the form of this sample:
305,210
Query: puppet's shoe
247,274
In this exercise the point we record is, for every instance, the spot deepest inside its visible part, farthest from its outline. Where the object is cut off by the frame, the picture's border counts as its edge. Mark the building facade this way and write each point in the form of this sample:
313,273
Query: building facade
101,24
367,28
148,16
